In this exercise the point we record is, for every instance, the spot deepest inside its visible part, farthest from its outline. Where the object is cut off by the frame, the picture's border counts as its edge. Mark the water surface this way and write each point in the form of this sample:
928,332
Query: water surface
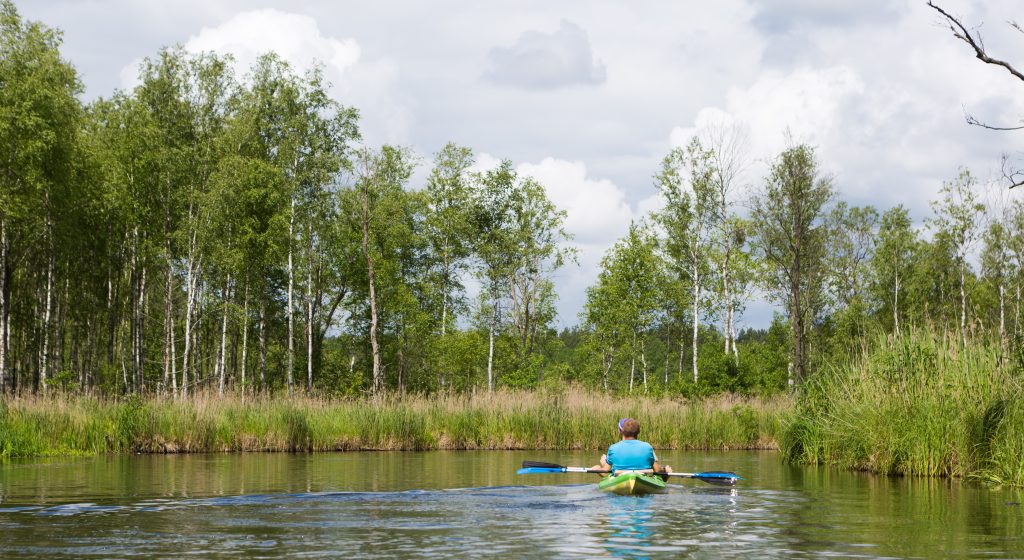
463,504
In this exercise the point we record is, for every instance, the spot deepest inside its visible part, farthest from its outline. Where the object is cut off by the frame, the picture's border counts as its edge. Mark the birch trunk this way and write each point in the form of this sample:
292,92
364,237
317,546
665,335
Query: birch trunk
632,363
49,301
140,310
174,359
223,336
1002,315
726,304
668,351
59,327
263,346
444,313
696,322
896,306
378,373
732,335
189,304
197,341
643,363
632,371
963,304
1003,319
1016,310
168,328
4,382
245,334
490,349
682,348
609,357
291,315
309,325
83,363
444,321
111,321
401,367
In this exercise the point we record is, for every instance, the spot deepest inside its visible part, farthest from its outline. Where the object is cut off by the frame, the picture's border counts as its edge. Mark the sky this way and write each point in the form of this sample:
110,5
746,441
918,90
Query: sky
588,97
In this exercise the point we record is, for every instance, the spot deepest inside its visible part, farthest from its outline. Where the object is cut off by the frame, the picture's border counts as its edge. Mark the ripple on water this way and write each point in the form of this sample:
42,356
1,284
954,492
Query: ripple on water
564,521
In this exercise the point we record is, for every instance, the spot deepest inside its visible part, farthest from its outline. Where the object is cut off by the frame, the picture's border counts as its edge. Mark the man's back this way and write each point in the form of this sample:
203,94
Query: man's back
631,454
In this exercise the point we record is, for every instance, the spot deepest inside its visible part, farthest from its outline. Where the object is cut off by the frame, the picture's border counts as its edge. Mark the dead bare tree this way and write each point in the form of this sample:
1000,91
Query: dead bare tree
974,40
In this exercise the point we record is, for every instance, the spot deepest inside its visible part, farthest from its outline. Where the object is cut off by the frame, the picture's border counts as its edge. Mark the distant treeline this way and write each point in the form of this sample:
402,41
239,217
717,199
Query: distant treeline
212,231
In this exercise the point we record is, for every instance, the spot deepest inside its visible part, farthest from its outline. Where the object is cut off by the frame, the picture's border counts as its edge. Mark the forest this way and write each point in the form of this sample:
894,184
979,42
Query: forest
211,232
211,261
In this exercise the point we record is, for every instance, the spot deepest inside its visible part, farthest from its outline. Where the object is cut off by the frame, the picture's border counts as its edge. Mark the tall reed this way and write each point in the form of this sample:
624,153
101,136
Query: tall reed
564,419
919,404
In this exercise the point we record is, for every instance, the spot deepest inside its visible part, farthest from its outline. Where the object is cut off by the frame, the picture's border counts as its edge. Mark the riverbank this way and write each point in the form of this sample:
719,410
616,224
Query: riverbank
916,405
572,419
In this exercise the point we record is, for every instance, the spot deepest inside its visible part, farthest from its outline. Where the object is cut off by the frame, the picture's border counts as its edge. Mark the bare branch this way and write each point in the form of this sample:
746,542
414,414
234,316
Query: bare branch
975,42
973,121
1013,175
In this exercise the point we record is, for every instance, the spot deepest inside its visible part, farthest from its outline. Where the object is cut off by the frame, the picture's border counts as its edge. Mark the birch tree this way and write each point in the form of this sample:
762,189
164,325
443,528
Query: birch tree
520,243
448,229
377,203
893,261
690,218
40,115
625,302
788,219
956,215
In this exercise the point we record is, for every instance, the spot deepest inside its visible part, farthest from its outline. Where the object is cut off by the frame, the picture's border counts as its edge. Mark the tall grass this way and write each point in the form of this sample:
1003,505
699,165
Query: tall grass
919,404
566,419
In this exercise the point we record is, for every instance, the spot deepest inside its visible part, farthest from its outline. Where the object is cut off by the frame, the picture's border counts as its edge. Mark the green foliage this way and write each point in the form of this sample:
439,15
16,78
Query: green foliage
131,423
896,252
791,234
520,243
918,404
210,230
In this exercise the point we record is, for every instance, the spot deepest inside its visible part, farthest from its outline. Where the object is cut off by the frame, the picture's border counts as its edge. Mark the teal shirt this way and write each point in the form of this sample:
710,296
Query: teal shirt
631,455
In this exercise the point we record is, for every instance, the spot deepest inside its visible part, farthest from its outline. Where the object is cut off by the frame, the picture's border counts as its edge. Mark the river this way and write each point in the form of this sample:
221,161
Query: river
466,504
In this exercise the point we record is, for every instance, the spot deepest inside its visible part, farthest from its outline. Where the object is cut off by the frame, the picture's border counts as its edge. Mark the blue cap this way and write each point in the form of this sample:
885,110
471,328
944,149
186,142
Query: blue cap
623,421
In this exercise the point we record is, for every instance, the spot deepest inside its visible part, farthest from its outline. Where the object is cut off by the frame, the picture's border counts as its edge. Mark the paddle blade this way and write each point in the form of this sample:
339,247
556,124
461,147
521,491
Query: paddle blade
541,465
539,470
718,477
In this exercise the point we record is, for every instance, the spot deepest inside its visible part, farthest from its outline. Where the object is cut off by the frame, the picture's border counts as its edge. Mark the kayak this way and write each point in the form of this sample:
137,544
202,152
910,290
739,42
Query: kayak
632,484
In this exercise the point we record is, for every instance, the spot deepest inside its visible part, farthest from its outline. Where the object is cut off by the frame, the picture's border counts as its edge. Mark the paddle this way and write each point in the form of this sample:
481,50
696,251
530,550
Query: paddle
711,477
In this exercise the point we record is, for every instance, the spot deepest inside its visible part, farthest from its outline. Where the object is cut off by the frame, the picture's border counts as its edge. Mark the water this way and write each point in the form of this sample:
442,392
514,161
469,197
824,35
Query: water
465,504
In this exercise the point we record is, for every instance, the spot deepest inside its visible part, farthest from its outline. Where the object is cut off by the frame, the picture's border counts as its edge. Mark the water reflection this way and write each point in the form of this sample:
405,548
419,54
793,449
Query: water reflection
628,527
451,504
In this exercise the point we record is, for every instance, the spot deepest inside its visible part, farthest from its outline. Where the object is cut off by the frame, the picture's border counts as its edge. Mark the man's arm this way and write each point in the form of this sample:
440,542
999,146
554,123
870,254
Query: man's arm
658,468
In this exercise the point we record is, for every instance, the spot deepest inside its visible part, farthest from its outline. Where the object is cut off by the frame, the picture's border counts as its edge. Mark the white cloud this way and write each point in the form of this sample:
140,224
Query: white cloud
295,37
809,103
597,209
546,60
484,162
298,39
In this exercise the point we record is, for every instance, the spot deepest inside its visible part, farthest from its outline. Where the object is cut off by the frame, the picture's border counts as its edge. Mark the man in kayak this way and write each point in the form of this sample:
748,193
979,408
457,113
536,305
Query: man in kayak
631,454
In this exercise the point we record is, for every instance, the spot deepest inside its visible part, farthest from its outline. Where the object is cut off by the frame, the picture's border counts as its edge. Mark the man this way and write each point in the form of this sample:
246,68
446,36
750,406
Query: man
631,454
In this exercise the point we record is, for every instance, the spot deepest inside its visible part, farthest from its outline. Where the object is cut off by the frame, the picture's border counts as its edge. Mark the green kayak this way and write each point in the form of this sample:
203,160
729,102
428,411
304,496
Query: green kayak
632,484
